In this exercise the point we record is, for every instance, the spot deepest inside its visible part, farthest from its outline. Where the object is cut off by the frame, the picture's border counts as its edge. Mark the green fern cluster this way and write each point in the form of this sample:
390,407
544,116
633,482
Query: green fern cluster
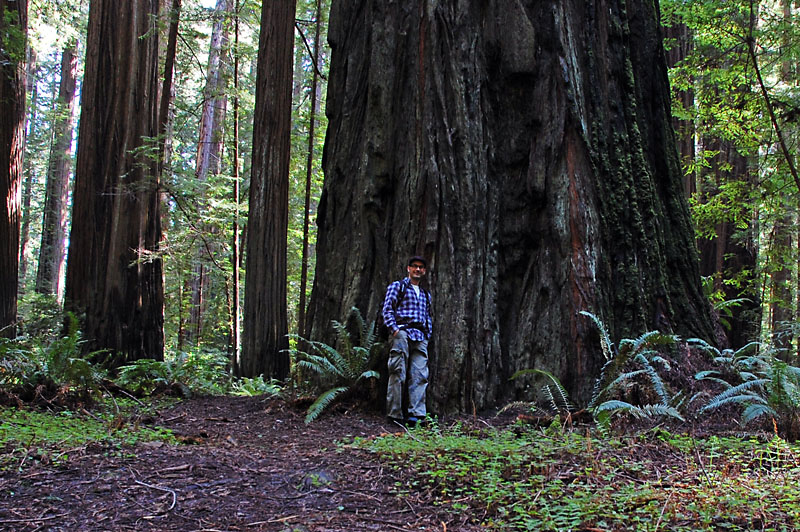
202,372
342,367
754,378
635,362
257,386
27,364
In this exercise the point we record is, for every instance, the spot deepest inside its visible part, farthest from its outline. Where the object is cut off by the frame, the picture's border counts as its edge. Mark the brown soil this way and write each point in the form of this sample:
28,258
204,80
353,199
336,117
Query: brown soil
244,464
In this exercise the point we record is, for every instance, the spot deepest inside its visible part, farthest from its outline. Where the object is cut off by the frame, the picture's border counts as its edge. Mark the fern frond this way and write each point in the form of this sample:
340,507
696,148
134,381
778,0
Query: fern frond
597,388
320,365
663,361
337,362
342,335
703,345
370,374
515,404
756,410
640,412
605,340
744,398
322,403
622,378
558,400
655,380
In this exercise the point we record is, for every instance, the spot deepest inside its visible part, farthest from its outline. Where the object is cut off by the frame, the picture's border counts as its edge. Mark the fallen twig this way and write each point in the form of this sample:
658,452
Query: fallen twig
159,488
33,519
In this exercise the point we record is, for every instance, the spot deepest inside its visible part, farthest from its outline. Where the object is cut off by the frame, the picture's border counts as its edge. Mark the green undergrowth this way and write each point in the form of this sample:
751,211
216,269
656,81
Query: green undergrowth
523,478
29,436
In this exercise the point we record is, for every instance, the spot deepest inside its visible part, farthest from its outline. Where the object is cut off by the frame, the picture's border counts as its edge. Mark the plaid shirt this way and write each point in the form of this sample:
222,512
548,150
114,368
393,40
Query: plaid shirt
413,311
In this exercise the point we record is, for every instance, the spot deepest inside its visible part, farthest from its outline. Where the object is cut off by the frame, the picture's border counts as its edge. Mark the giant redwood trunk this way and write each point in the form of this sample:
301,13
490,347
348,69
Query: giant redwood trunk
13,24
114,275
526,149
54,223
265,326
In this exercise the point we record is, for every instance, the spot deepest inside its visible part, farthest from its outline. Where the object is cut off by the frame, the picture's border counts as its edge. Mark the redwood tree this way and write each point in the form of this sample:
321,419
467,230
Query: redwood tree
526,148
54,224
114,274
13,24
209,159
265,324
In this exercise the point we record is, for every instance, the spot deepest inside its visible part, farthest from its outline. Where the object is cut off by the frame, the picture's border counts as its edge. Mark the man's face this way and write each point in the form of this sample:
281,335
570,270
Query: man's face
416,270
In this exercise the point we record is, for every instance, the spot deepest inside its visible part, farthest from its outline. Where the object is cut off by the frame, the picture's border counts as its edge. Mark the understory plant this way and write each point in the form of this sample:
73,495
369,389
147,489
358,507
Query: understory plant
339,369
202,372
29,366
629,381
754,379
553,397
246,386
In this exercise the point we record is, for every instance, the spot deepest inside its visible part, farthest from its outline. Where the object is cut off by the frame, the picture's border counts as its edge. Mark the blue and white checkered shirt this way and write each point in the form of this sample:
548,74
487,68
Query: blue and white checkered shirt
413,314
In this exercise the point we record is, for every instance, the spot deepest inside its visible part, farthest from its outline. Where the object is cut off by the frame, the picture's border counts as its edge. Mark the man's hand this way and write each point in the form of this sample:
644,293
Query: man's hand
394,333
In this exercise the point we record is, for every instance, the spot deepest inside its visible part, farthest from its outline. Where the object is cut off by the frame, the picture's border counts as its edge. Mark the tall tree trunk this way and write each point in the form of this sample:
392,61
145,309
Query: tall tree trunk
13,29
114,272
235,348
265,326
527,150
209,153
312,117
32,69
54,224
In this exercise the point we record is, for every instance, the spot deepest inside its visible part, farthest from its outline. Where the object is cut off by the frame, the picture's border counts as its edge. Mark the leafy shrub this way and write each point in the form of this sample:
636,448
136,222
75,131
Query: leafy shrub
340,370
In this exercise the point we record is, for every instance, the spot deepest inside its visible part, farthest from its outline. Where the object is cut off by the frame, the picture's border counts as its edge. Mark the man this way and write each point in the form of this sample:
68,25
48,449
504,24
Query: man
407,315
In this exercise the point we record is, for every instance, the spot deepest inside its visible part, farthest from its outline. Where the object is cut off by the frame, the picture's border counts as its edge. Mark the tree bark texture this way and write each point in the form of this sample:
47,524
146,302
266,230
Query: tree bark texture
114,275
54,224
265,324
526,149
13,27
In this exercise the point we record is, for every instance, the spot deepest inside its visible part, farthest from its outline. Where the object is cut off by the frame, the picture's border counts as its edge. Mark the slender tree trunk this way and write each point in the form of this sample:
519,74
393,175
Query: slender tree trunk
265,326
235,249
114,271
527,150
13,29
54,224
32,68
209,153
301,310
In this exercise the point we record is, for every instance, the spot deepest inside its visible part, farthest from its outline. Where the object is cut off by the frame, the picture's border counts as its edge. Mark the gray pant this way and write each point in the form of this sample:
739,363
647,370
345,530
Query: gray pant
408,363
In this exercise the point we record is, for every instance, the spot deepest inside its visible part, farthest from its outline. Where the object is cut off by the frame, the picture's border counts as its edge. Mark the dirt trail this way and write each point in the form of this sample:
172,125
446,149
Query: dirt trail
245,464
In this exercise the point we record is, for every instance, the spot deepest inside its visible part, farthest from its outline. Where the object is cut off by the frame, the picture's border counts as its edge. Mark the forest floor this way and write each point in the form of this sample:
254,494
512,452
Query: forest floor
245,463
252,464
